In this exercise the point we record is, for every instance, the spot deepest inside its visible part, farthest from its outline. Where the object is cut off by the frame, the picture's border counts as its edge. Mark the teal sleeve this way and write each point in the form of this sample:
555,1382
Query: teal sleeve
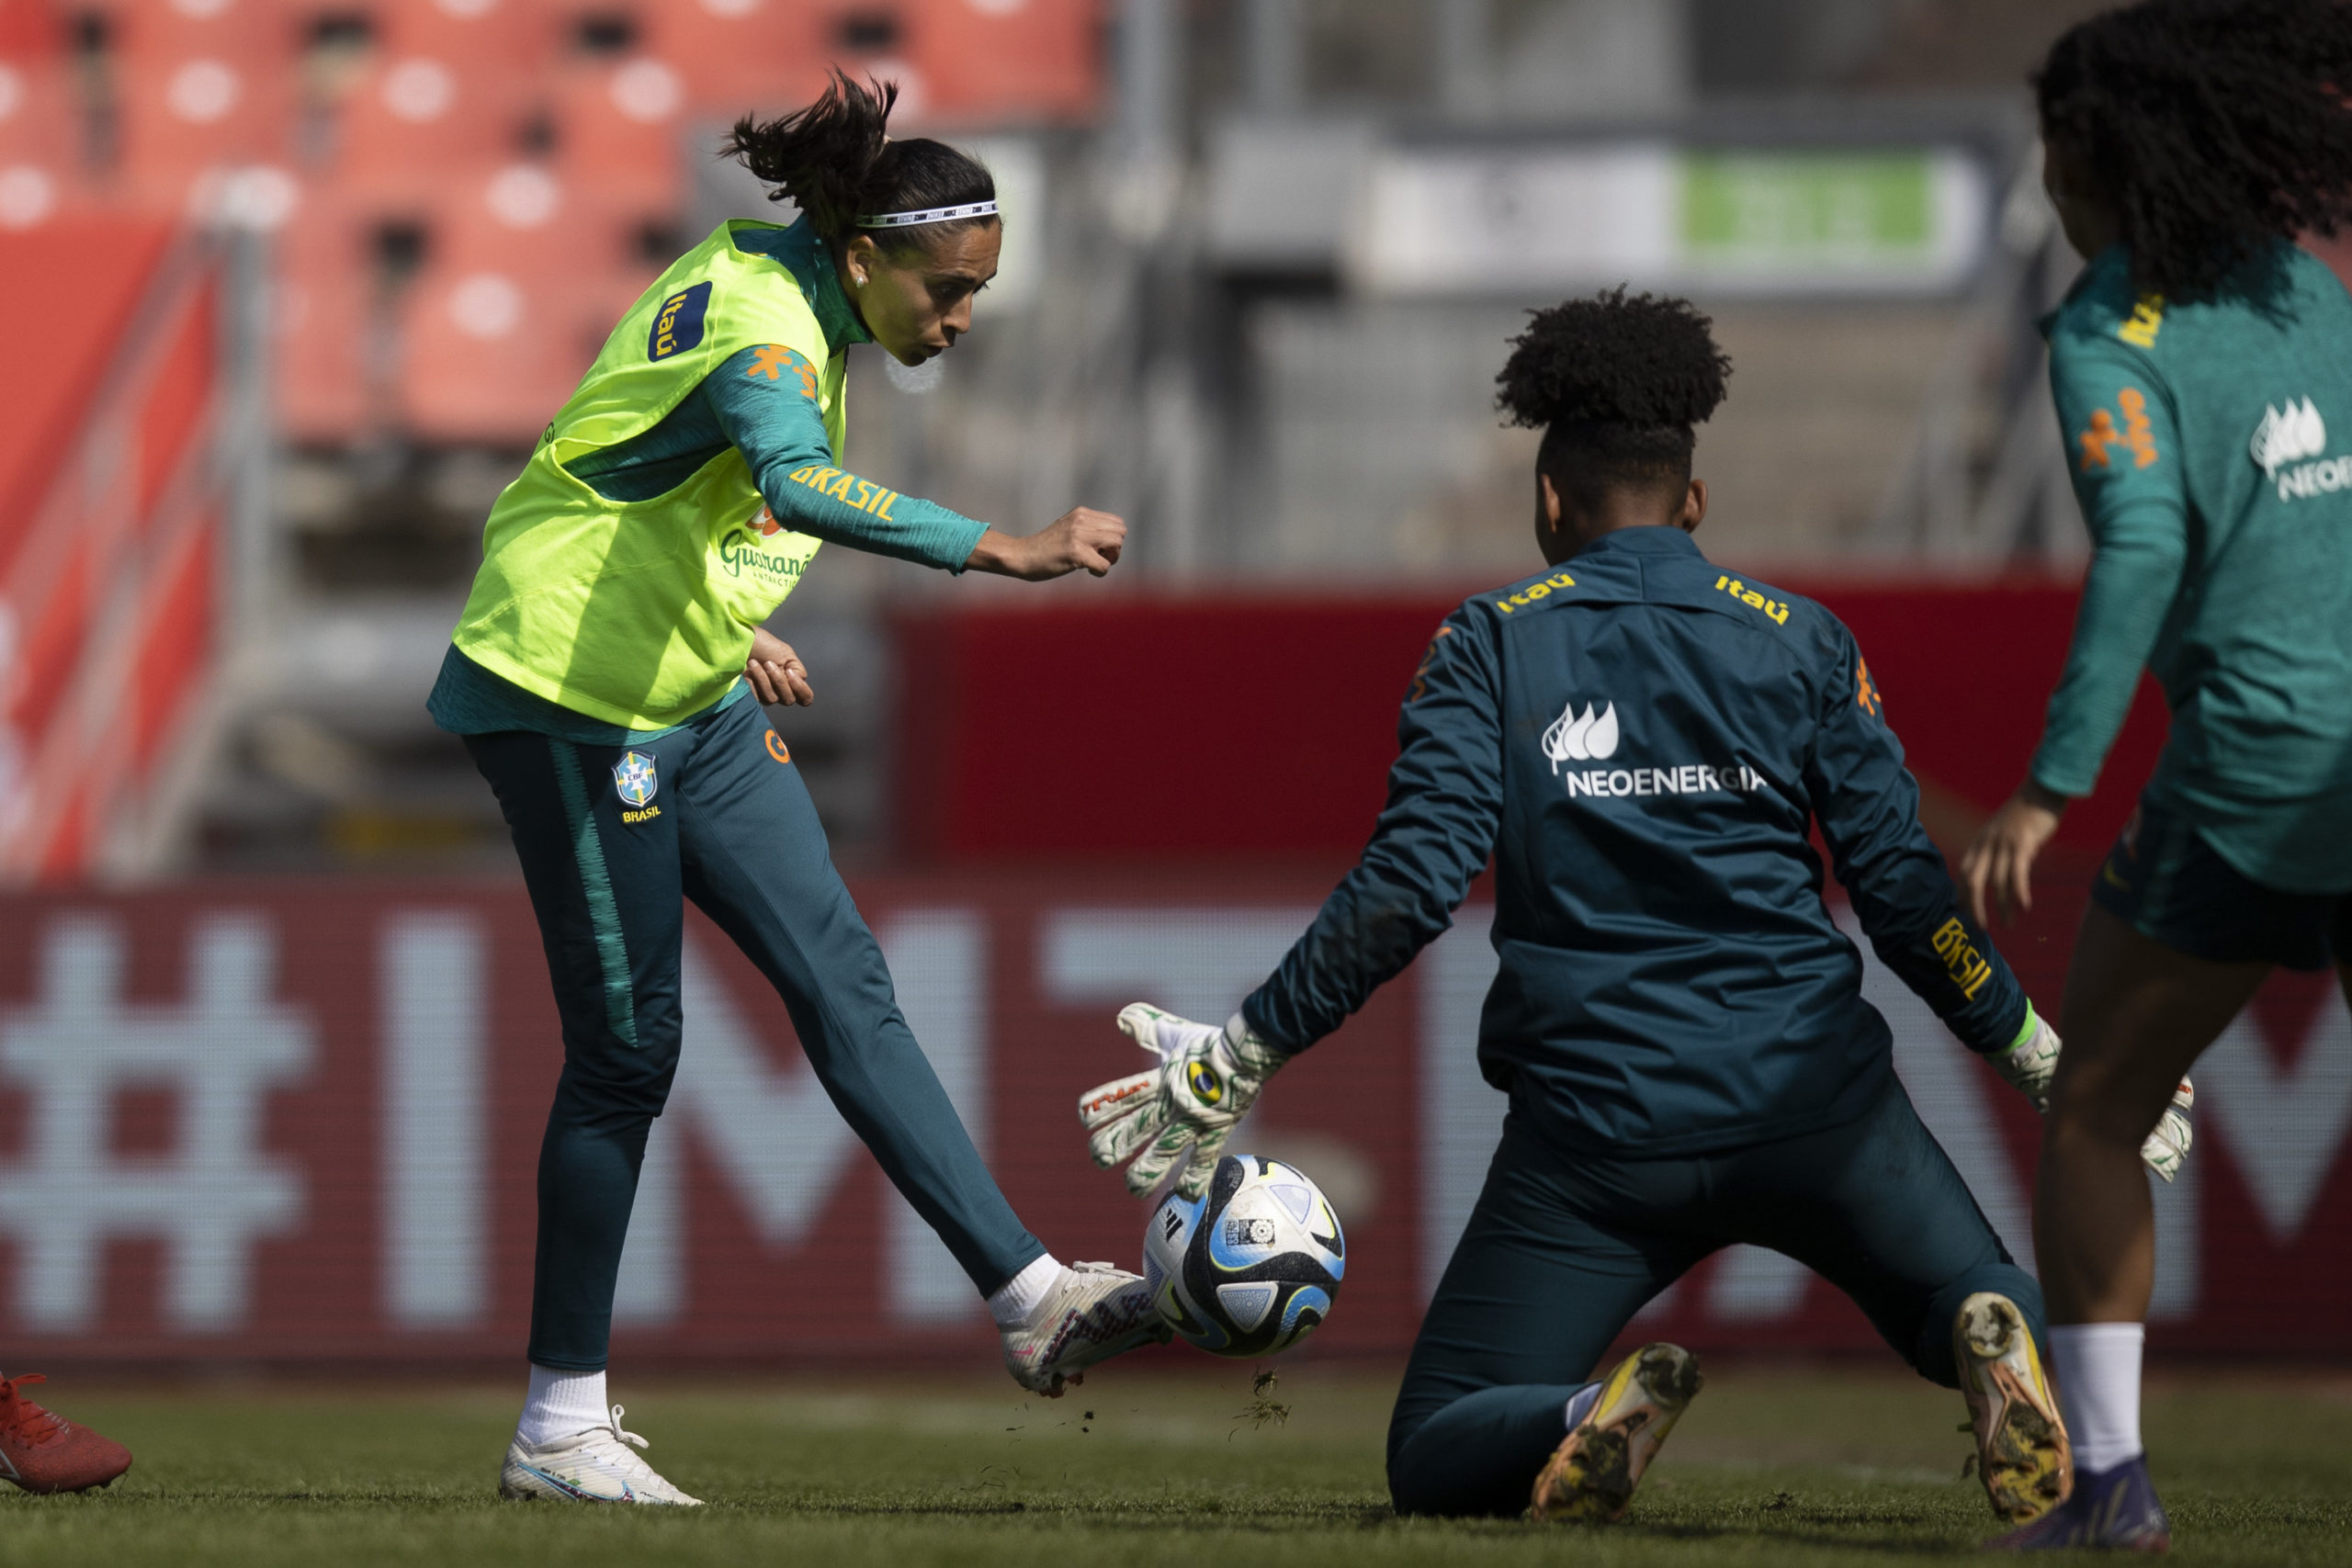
765,400
2123,450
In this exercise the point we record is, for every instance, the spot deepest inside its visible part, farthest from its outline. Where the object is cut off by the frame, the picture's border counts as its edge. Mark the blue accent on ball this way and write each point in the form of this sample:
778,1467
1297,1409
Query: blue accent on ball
1308,1298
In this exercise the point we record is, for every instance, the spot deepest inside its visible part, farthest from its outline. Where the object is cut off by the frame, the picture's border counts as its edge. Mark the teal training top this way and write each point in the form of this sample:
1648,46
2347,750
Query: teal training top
757,401
2210,447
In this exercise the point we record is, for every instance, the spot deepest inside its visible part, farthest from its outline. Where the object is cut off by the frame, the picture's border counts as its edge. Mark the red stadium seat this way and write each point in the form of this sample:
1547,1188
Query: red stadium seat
518,37
31,31
413,118
260,35
325,385
43,173
619,129
495,331
740,56
182,118
999,61
39,121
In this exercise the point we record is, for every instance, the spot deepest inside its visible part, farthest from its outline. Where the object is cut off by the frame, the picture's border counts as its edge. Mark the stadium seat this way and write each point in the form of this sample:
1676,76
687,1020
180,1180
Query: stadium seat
739,56
325,385
517,37
497,327
619,127
39,121
182,116
1030,63
256,36
31,31
415,117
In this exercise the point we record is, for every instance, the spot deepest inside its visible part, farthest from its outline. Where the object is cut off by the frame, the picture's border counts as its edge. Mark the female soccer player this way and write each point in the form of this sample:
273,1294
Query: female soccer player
1641,742
600,675
2201,365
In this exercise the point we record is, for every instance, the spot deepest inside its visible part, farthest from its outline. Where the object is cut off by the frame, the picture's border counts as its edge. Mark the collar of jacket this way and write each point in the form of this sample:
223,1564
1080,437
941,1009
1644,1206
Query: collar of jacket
1656,540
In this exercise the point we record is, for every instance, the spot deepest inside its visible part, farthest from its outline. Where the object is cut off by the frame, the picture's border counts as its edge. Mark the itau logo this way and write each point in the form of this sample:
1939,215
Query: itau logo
2287,435
1581,737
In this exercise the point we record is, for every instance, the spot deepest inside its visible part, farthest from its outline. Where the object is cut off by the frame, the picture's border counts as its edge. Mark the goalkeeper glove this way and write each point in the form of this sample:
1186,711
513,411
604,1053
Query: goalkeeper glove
1182,1110
2030,1063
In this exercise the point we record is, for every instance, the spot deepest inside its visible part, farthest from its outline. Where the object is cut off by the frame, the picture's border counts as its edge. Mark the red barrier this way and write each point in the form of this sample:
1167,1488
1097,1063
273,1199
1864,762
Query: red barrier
1173,726
300,1123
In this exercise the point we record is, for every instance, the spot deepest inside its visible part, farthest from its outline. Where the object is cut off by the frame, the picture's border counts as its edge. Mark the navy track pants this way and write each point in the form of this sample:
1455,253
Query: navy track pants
613,841
1563,1249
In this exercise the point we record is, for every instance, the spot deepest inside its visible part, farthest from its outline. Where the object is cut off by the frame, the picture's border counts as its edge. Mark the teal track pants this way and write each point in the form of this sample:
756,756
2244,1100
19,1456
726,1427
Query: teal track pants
729,824
1563,1249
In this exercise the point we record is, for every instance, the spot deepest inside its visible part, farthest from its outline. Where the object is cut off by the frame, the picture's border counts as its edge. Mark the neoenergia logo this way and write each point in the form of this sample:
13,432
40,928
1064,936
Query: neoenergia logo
2287,435
1591,736
1575,738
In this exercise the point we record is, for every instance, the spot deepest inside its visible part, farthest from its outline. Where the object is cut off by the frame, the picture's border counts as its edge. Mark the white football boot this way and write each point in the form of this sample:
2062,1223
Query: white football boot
1592,1474
2022,1453
1093,1312
593,1466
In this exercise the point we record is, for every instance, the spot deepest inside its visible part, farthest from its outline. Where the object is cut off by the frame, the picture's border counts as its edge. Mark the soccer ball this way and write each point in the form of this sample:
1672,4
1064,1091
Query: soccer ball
1251,1267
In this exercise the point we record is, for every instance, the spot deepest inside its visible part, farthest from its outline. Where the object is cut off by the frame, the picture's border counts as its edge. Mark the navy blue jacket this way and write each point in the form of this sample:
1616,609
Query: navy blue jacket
1640,742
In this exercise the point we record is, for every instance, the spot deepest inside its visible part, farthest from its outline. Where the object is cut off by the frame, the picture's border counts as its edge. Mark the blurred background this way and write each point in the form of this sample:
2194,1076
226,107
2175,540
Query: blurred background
1261,260
289,288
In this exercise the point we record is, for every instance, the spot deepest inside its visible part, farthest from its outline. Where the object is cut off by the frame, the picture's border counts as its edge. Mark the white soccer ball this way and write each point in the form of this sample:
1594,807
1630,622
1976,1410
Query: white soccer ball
1251,1268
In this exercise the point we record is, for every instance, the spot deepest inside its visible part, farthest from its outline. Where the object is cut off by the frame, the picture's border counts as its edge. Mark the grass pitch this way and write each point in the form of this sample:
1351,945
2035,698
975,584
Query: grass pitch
1772,1466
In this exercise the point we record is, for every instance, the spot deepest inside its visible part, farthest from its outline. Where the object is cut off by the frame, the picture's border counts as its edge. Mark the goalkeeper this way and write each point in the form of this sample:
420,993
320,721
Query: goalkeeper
1641,742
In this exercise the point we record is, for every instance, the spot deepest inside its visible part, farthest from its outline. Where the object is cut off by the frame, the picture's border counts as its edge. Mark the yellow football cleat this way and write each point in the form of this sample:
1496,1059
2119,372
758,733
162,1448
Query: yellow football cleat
2022,1455
1593,1474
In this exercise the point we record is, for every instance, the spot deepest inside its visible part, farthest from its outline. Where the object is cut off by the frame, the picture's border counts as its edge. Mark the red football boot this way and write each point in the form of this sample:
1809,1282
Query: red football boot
42,1451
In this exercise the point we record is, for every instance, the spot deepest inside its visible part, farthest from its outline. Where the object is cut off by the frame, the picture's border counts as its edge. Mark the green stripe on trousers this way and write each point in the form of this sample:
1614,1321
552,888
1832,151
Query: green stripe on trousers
604,910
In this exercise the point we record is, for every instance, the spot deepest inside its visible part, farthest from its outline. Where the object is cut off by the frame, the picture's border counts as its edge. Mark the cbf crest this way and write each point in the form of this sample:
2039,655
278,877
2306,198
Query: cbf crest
633,778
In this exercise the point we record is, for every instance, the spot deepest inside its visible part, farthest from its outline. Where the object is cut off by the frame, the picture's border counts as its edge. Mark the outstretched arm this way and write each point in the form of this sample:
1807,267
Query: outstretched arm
1446,802
1444,807
764,399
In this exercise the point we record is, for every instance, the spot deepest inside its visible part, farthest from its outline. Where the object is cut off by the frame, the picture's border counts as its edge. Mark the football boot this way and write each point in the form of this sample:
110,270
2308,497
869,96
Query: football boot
1093,1312
1592,1474
42,1451
593,1466
2023,1454
2116,1509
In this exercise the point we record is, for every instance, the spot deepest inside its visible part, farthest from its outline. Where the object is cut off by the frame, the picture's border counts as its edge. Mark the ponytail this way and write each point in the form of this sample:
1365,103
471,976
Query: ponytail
835,160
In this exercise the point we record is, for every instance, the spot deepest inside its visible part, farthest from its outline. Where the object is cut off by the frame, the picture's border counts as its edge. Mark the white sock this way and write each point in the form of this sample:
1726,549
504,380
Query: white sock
2099,1390
561,1404
1580,1405
1018,1297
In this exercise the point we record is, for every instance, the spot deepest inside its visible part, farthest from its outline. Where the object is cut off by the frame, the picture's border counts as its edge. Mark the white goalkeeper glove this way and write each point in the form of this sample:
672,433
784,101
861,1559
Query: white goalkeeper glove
2031,1063
1182,1109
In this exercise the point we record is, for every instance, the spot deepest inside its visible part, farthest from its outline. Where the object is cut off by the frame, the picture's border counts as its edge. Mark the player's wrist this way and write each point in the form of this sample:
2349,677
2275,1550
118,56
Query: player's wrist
2041,798
996,552
1252,1052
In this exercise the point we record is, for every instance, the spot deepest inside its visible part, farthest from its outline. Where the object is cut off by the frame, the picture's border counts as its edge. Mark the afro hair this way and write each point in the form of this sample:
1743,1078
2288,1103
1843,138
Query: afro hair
1613,359
1615,382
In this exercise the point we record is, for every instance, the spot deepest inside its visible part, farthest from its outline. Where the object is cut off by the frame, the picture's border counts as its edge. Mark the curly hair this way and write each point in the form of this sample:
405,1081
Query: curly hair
2221,127
1615,383
836,161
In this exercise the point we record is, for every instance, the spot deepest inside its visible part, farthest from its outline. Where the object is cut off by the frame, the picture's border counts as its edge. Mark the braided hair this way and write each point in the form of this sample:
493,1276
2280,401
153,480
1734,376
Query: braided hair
2220,126
836,161
1615,383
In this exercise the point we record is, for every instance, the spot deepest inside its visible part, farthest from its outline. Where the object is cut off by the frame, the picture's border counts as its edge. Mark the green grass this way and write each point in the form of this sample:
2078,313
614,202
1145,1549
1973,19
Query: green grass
1772,1466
